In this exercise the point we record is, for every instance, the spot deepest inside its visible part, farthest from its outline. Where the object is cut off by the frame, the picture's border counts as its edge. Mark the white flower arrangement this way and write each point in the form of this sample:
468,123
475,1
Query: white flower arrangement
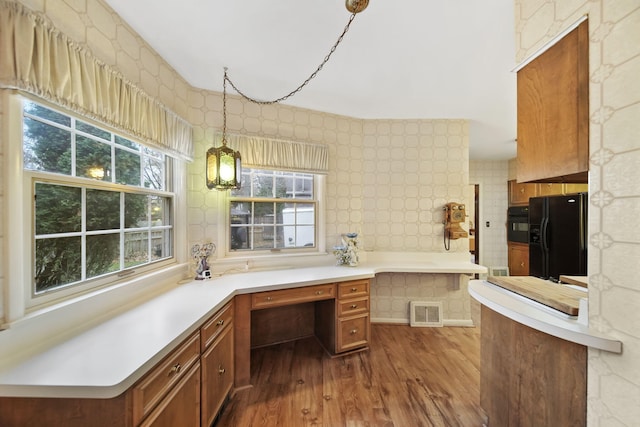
347,253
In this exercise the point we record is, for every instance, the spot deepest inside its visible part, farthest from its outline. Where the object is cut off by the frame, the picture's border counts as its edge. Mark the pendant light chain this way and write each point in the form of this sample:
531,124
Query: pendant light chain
293,92
224,108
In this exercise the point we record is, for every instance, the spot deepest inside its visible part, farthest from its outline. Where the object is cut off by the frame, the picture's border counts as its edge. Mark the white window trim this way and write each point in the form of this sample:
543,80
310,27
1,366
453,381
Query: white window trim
16,263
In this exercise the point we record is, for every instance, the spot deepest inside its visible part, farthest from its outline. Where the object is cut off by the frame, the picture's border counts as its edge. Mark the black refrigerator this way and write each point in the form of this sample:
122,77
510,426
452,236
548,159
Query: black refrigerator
558,236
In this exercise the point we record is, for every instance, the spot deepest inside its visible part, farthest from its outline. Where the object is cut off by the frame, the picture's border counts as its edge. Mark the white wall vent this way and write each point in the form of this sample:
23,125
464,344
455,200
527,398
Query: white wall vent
498,271
426,313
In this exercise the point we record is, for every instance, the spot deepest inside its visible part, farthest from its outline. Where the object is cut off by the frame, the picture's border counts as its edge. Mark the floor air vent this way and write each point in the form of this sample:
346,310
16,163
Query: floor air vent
424,313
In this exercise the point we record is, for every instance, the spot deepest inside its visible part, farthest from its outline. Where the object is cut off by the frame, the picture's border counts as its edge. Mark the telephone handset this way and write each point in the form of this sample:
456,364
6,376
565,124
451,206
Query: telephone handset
454,214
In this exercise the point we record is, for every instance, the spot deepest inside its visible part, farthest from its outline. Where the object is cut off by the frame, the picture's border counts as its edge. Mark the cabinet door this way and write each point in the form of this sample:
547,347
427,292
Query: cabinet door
181,407
575,188
553,121
518,259
519,193
550,189
217,375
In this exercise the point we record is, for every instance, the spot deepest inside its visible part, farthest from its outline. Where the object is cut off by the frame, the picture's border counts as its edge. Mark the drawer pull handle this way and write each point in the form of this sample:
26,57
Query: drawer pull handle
353,331
269,298
354,305
522,264
175,369
354,289
221,370
220,322
318,292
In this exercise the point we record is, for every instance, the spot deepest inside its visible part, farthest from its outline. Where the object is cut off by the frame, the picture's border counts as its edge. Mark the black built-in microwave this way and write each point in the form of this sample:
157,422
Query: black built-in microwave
518,224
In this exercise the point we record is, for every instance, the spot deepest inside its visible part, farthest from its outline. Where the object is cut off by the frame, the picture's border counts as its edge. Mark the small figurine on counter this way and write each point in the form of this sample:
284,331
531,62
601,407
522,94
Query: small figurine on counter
201,254
347,253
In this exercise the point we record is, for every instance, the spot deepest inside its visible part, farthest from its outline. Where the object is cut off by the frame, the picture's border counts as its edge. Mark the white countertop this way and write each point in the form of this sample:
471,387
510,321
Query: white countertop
106,360
540,317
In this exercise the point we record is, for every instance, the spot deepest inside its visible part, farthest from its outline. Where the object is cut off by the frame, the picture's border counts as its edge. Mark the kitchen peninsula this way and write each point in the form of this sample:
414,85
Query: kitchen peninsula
104,363
534,357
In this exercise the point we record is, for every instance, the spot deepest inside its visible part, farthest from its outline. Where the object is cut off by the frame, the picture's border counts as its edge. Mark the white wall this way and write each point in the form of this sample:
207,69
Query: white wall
492,176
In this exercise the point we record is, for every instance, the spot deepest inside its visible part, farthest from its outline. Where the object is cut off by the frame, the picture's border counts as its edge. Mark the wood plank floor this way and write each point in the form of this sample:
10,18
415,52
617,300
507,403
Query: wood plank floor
409,377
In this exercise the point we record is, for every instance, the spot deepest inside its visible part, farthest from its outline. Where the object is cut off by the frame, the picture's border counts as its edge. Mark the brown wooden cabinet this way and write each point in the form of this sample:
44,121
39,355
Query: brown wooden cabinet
529,378
217,362
518,259
553,112
187,388
160,381
521,192
181,407
343,325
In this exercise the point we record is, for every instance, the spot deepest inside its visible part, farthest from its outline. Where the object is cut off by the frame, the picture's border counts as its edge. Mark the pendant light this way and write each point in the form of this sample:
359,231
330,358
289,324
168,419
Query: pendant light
224,165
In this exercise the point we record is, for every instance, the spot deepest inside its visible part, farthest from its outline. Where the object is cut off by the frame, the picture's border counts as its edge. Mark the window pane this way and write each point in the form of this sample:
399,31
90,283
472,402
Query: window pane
127,167
58,209
278,241
263,184
160,210
303,187
136,210
103,254
240,215
92,130
45,113
58,262
46,148
264,237
161,244
102,212
126,143
153,174
136,248
264,213
284,184
93,159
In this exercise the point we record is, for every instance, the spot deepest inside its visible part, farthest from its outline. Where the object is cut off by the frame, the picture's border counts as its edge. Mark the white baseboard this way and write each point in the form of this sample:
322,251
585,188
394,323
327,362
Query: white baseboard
468,323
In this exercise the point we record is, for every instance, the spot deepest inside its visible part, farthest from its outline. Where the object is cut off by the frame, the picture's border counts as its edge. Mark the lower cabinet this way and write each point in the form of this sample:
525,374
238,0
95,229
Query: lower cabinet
343,324
217,374
518,259
186,389
181,407
529,378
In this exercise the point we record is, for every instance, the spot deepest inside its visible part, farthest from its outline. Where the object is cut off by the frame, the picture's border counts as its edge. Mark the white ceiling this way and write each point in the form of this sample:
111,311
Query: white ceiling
406,59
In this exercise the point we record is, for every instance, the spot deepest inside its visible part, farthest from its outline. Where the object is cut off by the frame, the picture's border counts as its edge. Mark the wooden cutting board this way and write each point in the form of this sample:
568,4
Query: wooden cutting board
556,296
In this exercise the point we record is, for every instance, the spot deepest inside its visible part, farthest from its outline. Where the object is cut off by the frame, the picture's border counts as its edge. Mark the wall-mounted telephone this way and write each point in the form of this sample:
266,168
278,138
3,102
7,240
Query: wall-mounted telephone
454,214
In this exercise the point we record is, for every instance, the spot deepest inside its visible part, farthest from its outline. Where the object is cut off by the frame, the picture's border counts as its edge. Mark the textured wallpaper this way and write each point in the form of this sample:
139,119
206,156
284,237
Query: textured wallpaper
614,188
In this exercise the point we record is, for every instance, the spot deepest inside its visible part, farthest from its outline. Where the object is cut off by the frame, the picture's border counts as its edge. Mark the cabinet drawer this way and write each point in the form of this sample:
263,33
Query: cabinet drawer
353,332
182,404
221,320
353,288
157,383
292,296
353,306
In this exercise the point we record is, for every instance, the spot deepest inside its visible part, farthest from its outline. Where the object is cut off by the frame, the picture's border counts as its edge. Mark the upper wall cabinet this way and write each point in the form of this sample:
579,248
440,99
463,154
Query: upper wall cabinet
553,112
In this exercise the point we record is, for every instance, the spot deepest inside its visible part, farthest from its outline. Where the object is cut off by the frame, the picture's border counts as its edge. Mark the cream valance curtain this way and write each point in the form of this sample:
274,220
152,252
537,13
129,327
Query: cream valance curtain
37,58
261,152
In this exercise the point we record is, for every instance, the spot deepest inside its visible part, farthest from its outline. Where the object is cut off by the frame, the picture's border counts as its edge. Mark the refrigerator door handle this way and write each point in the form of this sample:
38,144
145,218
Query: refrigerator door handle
543,234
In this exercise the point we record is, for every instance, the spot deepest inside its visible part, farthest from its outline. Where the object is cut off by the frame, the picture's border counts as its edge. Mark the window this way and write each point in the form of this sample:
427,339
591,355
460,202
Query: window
273,210
101,203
